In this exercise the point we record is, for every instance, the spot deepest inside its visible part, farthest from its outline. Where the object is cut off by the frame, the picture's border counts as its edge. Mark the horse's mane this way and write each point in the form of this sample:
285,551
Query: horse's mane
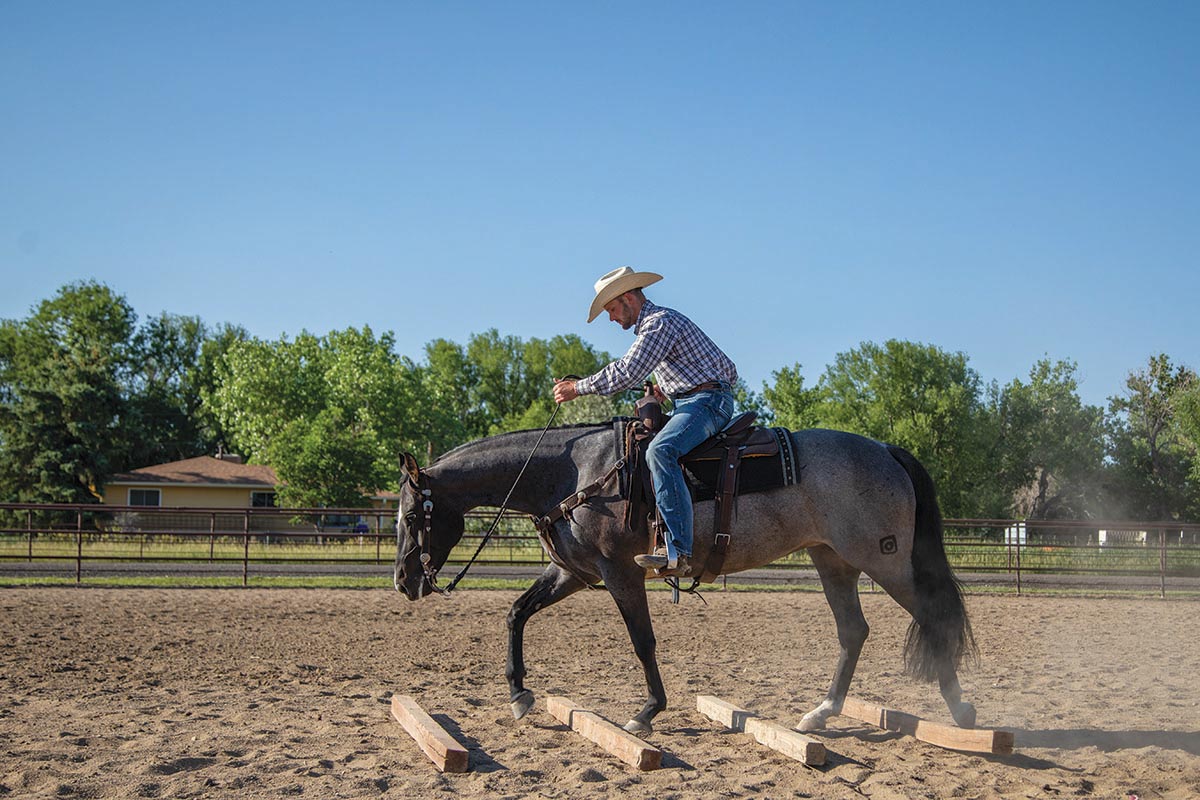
502,436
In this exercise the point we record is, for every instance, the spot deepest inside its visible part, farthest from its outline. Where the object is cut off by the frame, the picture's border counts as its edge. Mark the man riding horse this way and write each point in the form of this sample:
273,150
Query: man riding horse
861,506
692,371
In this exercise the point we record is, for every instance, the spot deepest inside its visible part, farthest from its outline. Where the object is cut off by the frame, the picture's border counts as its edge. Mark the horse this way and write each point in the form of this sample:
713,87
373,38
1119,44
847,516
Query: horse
860,506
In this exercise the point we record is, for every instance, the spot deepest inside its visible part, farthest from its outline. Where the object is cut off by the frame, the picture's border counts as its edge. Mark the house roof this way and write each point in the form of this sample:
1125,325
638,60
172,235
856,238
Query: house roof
204,470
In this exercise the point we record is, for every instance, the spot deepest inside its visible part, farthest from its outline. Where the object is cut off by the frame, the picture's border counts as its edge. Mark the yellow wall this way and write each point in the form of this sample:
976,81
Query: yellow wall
117,494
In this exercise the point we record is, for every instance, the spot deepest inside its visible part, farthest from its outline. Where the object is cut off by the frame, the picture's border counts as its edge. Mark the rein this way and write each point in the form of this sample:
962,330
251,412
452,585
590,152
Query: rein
427,507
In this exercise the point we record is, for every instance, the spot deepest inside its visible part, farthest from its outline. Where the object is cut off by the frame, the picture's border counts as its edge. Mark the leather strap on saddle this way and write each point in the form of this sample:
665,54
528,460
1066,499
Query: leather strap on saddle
545,524
740,440
563,510
726,490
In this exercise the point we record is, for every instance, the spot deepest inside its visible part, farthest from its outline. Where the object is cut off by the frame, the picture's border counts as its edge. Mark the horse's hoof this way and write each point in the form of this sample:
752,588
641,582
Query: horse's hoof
812,721
521,704
964,715
637,726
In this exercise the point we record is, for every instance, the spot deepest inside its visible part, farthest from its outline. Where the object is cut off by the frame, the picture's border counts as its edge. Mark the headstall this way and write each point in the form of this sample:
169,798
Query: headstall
424,533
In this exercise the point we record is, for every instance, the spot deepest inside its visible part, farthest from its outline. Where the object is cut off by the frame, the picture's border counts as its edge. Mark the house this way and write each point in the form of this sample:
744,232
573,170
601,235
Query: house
202,482
221,481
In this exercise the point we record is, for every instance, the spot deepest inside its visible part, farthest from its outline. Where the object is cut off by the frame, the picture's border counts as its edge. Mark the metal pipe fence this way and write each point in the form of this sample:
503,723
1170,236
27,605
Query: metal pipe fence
1011,554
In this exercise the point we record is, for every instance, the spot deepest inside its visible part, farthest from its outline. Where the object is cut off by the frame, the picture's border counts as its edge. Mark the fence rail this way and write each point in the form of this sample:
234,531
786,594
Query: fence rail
1010,553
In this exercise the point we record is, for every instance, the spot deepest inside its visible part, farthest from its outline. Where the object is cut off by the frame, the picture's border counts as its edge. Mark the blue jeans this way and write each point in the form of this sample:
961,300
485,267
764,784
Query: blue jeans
694,419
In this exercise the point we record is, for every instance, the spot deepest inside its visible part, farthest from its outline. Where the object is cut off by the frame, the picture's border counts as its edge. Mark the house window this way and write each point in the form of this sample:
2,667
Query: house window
262,499
145,497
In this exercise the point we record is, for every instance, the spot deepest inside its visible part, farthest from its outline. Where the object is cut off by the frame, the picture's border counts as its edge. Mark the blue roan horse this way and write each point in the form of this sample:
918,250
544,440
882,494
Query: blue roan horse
860,506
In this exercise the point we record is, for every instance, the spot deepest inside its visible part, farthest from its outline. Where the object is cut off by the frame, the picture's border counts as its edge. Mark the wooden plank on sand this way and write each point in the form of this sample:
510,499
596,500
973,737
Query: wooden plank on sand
973,740
442,748
793,744
621,743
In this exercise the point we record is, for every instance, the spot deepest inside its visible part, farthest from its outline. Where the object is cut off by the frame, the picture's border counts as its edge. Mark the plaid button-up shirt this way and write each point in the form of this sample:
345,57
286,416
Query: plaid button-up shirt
672,347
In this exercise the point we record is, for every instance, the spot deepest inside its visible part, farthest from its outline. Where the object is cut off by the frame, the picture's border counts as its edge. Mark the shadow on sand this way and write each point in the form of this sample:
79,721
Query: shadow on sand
1108,741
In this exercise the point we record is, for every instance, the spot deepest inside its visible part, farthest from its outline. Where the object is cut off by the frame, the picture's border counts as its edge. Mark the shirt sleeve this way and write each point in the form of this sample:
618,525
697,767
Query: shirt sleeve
647,352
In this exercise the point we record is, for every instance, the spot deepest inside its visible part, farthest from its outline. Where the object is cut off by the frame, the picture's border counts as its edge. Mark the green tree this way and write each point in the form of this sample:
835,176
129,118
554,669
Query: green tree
61,407
204,379
446,412
505,374
170,371
1150,448
1188,416
746,399
327,461
515,380
261,387
790,403
1049,449
921,398
275,400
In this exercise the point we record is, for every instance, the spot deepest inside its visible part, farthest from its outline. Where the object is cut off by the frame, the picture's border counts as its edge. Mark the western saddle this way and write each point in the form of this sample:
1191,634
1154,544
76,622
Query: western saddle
714,469
741,458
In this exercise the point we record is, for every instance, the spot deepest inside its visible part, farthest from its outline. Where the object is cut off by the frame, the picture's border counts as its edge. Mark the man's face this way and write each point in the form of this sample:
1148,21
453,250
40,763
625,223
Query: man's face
621,311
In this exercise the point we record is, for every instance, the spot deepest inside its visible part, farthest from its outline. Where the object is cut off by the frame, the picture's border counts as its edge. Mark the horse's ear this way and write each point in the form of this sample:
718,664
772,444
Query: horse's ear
409,462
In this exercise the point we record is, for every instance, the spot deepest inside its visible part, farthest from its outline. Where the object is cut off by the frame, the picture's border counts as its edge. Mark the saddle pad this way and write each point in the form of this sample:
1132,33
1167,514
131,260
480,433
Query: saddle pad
757,473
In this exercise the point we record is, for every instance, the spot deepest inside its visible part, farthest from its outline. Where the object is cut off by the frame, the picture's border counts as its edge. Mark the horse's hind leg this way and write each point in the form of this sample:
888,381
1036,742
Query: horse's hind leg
962,711
840,581
551,586
905,593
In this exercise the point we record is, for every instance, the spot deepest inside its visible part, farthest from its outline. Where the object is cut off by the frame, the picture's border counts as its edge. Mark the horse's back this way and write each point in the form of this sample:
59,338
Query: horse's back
836,465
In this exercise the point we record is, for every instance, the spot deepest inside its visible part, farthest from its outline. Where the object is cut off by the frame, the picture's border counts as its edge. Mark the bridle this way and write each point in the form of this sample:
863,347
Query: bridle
424,537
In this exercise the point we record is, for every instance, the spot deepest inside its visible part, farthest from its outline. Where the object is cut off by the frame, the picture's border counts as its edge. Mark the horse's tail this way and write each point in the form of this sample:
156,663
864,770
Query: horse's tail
940,632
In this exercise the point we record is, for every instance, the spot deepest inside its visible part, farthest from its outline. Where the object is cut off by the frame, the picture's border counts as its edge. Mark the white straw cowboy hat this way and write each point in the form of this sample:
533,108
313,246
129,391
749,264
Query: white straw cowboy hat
616,283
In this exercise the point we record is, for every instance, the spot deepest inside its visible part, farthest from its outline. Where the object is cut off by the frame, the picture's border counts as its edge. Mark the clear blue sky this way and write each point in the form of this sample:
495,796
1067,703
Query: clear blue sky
1010,180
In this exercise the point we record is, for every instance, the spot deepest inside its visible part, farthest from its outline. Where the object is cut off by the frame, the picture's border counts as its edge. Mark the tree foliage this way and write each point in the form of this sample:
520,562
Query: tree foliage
1049,449
172,368
86,391
327,461
792,405
502,383
919,397
1152,442
1030,449
62,370
280,403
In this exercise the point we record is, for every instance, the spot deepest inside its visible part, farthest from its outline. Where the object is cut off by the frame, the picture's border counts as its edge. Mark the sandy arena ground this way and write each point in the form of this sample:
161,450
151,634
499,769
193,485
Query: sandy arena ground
172,693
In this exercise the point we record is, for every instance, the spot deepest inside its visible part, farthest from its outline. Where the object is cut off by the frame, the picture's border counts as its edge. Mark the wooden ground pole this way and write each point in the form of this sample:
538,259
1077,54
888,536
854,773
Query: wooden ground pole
791,743
442,748
973,740
621,743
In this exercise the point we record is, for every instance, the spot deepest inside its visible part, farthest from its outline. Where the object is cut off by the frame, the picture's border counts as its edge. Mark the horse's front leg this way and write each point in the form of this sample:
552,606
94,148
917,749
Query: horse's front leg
551,586
628,588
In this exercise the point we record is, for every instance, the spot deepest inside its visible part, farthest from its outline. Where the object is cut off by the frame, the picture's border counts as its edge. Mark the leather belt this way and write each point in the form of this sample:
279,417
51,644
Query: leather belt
711,386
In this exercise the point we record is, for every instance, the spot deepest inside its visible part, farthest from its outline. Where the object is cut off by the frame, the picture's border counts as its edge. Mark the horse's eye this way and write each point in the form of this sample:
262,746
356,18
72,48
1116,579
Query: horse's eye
410,517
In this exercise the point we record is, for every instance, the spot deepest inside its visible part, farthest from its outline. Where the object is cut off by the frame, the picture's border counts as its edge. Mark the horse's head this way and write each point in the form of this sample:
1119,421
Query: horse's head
426,532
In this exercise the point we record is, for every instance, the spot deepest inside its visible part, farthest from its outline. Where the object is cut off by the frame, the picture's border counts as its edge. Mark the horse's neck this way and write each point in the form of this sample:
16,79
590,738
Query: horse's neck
483,473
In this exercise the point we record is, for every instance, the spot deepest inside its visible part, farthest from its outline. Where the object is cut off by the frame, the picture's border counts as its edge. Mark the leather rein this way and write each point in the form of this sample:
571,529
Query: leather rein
425,533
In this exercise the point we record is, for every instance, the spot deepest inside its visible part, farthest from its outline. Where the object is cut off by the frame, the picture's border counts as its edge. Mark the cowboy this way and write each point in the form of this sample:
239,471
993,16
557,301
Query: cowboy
690,370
